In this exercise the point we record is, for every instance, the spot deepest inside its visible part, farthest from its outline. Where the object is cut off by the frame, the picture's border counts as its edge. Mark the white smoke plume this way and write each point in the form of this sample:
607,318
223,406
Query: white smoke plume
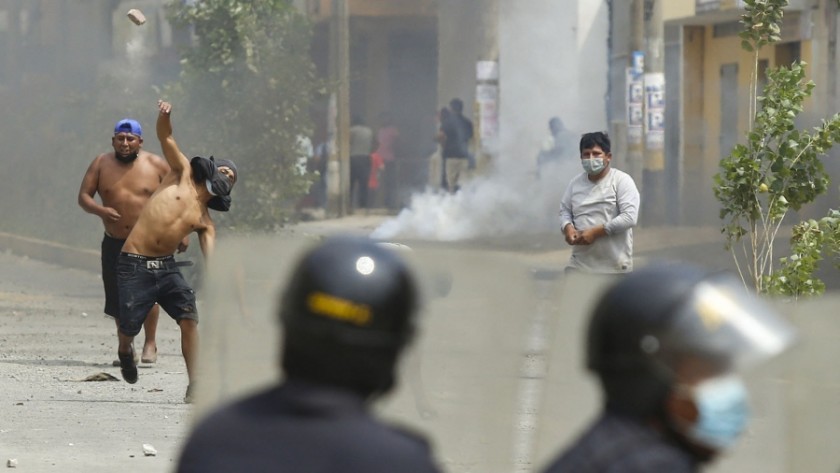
504,203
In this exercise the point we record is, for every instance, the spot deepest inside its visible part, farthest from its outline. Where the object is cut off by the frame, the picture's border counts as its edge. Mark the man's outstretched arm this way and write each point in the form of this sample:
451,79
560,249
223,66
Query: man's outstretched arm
176,159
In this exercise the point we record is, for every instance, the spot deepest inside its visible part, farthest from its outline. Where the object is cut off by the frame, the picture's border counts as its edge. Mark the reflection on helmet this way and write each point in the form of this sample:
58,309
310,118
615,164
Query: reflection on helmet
346,313
658,316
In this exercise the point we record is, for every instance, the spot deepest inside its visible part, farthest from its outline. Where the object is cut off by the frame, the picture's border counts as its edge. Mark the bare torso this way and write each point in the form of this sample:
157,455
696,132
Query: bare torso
127,187
174,211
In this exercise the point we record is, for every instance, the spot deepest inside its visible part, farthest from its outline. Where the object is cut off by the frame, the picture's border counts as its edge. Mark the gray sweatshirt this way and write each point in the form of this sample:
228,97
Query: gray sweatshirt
613,202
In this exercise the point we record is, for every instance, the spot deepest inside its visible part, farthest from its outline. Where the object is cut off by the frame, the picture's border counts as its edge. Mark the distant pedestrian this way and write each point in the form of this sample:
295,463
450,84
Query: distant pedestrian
560,145
437,173
387,139
361,145
377,164
320,159
457,158
599,210
347,314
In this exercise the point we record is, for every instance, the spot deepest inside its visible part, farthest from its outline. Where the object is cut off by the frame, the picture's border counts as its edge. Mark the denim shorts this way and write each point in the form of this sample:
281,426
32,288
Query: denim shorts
111,249
144,280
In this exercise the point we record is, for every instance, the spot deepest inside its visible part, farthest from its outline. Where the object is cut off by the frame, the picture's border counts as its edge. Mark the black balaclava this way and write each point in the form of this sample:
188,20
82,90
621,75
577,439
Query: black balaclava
206,170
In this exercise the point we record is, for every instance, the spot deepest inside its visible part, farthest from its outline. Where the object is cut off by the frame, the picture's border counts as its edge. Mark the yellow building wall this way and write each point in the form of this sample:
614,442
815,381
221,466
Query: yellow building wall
720,51
702,95
672,9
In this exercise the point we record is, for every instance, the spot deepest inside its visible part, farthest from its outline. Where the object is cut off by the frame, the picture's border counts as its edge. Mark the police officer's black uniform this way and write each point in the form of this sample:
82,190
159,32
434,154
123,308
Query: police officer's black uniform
640,329
347,313
300,427
619,444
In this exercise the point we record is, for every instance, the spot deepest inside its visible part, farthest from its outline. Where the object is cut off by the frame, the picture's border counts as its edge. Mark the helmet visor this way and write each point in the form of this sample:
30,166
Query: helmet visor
723,322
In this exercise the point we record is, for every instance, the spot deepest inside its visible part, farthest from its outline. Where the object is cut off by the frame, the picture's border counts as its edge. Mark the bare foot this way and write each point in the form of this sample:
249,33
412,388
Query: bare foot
149,354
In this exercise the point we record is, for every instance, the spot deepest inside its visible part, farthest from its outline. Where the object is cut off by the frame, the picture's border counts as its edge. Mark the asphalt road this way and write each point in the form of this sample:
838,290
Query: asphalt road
53,335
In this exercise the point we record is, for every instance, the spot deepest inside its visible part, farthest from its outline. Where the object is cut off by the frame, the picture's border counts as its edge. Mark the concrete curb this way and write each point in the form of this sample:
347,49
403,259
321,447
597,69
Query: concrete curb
54,253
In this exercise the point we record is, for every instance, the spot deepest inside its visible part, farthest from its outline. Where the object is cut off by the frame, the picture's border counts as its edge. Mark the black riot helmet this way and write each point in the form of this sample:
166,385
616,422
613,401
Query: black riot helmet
347,313
652,319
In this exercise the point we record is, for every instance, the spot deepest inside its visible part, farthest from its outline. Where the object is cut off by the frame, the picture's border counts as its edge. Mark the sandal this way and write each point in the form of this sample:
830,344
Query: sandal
128,367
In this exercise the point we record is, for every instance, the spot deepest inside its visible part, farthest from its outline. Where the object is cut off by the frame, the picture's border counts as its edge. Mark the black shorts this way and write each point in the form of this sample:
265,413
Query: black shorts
111,248
144,280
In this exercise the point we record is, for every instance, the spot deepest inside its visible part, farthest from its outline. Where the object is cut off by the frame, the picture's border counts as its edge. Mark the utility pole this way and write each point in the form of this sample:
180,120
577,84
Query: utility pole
653,195
485,108
635,137
338,169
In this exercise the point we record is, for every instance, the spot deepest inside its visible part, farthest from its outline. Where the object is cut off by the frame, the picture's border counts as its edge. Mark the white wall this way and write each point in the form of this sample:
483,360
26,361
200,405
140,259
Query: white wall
460,45
552,58
553,61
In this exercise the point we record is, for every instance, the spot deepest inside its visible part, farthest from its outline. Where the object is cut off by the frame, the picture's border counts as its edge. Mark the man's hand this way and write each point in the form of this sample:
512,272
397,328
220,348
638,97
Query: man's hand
165,108
110,215
184,244
571,234
588,236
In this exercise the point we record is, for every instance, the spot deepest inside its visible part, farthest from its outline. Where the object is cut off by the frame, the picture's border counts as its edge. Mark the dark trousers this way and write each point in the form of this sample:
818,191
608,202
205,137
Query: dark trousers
390,185
359,176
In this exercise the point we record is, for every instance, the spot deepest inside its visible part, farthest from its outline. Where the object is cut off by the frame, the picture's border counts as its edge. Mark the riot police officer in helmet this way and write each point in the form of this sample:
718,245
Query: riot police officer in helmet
347,313
668,343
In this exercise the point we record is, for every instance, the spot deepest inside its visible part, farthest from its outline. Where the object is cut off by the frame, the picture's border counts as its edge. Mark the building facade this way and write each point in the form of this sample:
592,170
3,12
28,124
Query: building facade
710,73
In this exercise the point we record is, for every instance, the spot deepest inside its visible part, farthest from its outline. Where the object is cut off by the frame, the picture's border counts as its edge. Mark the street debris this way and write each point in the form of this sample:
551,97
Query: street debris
101,376
149,450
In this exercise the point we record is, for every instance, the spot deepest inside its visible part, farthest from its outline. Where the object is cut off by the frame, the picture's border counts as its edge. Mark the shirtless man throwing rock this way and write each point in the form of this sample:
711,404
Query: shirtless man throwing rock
147,272
124,179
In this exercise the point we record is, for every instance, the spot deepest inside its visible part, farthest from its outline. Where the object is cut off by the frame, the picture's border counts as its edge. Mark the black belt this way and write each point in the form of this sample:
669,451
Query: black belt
158,262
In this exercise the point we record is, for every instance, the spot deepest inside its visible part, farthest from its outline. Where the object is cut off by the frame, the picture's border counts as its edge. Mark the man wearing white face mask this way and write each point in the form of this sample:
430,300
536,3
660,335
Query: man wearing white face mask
668,343
599,210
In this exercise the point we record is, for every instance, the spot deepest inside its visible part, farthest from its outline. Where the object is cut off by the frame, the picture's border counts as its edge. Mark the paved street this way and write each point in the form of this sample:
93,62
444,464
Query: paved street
53,335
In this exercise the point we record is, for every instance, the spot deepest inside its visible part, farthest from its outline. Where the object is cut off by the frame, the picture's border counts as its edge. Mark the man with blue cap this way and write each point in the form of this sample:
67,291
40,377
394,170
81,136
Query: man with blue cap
124,178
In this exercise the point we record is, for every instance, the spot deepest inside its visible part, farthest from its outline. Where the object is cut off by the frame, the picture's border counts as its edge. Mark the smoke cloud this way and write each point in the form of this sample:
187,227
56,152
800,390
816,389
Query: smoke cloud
507,202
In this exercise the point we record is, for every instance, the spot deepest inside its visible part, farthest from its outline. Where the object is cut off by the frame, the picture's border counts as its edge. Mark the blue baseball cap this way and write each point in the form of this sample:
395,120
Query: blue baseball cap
127,125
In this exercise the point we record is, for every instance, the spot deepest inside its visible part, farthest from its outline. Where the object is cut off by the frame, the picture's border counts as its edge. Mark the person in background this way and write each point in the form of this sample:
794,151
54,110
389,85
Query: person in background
458,132
387,137
320,159
669,344
437,173
377,164
347,314
558,146
598,211
361,145
124,178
